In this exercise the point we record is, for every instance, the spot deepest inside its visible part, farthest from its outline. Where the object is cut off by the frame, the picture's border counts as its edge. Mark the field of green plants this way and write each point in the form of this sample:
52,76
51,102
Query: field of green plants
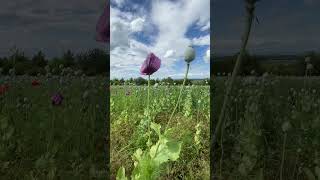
42,140
190,125
272,128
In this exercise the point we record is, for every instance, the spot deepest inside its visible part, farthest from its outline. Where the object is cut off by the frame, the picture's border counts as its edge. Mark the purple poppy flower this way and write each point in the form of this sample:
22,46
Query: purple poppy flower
150,65
103,25
56,99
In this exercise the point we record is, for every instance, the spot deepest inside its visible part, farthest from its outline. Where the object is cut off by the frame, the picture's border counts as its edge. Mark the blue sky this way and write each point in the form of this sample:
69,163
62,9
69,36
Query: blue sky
286,27
164,27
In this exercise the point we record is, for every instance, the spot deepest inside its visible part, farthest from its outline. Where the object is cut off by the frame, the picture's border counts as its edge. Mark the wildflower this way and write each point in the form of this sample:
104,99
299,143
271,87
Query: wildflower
3,89
189,54
150,65
103,25
35,83
57,99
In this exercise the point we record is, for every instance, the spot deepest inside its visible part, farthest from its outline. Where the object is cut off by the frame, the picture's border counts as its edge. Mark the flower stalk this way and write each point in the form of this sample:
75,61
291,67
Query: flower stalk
180,93
250,7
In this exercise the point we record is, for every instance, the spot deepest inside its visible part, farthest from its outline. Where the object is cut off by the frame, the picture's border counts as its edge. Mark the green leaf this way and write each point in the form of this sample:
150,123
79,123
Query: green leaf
121,174
156,127
165,150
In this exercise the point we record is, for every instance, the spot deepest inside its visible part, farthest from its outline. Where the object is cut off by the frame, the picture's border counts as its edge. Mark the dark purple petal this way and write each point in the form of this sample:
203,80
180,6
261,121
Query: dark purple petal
103,25
150,65
56,99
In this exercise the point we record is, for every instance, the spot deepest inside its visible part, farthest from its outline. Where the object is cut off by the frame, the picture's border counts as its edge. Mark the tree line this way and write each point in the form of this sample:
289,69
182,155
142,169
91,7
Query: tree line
165,81
91,62
294,66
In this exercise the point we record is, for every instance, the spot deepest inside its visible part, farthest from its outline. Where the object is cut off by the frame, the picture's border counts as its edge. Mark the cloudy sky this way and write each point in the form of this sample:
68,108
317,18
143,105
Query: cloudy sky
49,25
164,27
286,26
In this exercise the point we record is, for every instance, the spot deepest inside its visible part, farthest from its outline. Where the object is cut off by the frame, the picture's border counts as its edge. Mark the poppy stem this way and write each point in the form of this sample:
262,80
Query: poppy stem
179,97
250,7
148,108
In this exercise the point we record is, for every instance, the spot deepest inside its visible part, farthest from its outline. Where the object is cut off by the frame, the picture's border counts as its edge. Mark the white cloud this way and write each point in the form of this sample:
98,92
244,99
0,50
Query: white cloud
119,2
207,56
205,27
171,20
169,53
137,24
201,41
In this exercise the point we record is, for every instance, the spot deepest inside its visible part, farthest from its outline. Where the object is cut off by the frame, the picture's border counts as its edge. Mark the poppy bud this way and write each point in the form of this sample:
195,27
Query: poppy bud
189,54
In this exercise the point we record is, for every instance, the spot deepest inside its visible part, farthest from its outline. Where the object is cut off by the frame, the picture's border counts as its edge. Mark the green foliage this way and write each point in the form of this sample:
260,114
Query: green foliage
147,164
130,123
257,118
41,141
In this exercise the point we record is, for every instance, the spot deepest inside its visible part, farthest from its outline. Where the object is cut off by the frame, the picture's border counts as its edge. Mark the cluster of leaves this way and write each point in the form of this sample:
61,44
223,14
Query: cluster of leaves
147,164
194,156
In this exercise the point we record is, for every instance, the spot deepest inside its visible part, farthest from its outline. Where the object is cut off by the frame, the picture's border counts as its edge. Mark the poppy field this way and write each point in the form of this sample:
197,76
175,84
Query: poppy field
51,127
271,128
189,125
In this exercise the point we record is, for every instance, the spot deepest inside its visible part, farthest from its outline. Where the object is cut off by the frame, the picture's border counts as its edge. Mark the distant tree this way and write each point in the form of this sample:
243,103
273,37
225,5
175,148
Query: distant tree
39,60
68,59
121,81
140,81
168,80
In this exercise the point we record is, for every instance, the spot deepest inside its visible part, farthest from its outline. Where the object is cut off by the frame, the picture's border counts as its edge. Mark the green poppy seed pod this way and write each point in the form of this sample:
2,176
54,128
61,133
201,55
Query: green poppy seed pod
189,54
309,66
307,59
286,126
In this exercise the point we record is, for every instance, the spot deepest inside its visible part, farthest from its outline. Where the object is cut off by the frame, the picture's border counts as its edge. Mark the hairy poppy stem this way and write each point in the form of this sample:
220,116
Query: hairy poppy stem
149,119
179,97
283,154
250,6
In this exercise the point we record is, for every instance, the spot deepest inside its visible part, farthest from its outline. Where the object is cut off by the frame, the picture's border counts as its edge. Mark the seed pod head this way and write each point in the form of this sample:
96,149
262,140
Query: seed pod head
307,59
309,66
286,126
189,54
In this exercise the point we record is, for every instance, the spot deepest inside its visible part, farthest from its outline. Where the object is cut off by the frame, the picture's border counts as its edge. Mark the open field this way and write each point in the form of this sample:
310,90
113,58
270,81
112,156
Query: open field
271,128
43,141
190,125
